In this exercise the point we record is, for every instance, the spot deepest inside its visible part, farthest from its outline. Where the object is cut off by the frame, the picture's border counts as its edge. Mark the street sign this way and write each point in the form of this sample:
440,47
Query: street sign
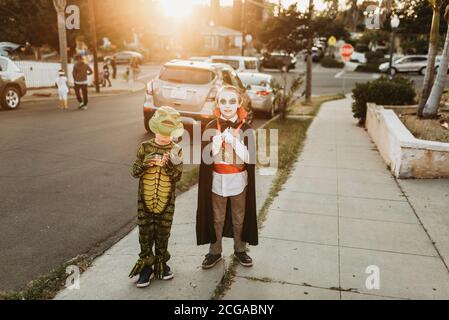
346,52
332,41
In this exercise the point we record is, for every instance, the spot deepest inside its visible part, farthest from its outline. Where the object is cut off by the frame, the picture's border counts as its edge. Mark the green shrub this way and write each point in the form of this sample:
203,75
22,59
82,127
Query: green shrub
369,67
329,62
383,91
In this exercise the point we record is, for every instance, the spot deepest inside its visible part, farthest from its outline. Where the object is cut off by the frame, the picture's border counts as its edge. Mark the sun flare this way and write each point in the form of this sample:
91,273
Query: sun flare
178,8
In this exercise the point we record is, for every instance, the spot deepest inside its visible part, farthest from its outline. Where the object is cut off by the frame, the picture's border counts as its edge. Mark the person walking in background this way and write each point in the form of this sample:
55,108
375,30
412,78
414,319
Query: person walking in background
63,90
114,67
106,76
126,74
135,68
80,72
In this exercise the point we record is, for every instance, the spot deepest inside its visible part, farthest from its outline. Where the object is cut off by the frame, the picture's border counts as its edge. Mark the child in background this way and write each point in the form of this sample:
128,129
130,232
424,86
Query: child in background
63,90
126,75
106,76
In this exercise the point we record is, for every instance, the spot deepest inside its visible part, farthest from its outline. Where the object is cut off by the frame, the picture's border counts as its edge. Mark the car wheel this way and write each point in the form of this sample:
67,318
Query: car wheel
272,112
392,71
146,122
10,98
422,71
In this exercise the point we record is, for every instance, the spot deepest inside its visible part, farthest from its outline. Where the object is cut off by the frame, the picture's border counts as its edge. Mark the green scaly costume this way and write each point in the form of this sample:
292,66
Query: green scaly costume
156,203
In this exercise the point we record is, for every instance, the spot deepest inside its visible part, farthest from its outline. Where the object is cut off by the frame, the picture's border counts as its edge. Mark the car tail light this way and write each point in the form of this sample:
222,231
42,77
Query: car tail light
263,93
212,95
150,88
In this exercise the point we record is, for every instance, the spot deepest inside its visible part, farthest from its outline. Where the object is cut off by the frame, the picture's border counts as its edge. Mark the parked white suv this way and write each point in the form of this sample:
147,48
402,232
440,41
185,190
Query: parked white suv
412,63
238,63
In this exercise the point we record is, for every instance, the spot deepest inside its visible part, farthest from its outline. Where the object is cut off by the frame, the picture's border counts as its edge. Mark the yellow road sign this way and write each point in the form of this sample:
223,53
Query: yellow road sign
332,41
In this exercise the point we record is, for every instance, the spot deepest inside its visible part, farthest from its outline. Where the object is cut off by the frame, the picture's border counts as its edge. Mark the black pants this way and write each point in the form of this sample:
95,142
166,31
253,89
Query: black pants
107,81
83,88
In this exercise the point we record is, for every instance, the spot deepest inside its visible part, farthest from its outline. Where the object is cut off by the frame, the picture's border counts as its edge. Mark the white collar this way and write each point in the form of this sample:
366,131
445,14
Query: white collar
233,119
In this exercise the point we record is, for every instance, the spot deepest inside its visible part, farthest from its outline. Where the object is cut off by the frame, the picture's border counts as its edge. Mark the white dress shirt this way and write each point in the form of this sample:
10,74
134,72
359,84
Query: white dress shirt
233,184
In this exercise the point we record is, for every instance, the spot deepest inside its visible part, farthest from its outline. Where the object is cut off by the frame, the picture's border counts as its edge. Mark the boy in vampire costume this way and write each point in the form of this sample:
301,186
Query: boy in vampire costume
226,191
158,167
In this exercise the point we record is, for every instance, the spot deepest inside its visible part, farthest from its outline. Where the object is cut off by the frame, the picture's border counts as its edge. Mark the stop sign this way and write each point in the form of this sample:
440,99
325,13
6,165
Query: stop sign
346,52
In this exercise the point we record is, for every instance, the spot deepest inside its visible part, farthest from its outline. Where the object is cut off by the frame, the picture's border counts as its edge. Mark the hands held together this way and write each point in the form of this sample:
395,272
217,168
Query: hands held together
226,136
157,160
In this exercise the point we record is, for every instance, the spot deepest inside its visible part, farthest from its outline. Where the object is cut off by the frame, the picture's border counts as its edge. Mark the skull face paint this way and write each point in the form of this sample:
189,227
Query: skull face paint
228,103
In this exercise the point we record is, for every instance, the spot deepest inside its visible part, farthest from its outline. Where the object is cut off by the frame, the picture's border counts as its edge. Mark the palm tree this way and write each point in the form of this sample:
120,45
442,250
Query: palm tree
433,48
60,9
309,55
433,103
354,12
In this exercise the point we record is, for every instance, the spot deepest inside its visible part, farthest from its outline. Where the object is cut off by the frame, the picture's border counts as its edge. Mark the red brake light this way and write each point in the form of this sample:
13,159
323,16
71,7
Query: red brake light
263,93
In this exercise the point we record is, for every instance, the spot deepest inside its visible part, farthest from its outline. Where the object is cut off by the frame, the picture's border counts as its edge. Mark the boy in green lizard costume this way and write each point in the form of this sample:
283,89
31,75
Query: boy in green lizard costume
158,167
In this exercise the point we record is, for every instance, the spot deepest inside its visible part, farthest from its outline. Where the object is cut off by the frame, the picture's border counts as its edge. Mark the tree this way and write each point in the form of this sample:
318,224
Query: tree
32,21
60,10
433,49
309,55
355,13
284,32
433,103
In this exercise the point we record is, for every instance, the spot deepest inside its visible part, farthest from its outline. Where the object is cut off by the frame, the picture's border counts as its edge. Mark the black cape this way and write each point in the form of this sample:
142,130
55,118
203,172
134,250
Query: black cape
205,230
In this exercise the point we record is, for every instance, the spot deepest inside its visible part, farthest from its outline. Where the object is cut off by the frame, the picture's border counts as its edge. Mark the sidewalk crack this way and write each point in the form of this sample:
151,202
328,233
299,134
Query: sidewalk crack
421,223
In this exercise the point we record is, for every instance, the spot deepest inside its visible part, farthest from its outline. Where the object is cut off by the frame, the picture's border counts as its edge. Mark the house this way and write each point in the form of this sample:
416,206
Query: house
221,39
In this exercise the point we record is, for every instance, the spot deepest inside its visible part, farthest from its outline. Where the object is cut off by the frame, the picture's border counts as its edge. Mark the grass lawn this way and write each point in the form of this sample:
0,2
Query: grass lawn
300,108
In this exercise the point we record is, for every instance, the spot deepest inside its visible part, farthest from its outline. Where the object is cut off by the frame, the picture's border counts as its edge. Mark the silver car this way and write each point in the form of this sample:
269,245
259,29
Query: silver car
260,92
412,63
191,87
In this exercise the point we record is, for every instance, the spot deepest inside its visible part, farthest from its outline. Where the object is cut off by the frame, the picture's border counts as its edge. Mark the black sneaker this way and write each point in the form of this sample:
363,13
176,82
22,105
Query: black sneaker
145,277
168,275
211,260
243,259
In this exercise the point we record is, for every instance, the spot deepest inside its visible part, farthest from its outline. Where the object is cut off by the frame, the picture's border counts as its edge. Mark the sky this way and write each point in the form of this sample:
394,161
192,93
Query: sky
184,7
303,4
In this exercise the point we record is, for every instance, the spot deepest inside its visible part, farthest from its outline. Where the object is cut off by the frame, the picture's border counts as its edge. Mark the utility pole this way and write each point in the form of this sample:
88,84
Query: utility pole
60,9
309,55
93,31
243,16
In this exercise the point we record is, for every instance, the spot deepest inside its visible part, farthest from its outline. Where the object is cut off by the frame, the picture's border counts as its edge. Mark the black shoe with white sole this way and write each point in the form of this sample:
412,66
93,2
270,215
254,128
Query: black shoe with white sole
244,259
211,260
145,277
168,274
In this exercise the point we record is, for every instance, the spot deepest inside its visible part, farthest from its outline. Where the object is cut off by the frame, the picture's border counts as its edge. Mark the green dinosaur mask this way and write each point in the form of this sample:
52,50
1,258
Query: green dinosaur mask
166,121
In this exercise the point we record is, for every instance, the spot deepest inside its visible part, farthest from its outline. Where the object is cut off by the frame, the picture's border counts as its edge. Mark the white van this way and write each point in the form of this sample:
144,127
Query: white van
238,63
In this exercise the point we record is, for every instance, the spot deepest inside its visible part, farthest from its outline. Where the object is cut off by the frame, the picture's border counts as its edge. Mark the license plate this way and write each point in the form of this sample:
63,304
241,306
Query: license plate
178,93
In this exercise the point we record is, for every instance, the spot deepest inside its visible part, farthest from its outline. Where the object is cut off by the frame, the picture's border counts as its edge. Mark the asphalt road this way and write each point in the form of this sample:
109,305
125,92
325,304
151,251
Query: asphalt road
330,81
65,184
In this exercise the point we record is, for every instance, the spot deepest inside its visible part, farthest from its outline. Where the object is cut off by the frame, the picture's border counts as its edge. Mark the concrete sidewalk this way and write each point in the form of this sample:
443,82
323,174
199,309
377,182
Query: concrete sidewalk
108,277
340,212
